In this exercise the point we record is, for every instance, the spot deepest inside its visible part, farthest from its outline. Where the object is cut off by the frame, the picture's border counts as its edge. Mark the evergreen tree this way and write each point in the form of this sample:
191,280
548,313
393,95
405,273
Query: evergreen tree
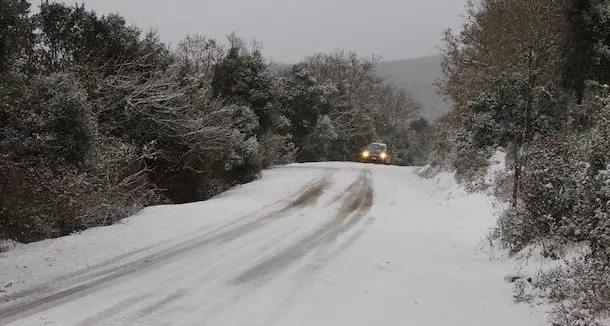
586,44
242,78
16,34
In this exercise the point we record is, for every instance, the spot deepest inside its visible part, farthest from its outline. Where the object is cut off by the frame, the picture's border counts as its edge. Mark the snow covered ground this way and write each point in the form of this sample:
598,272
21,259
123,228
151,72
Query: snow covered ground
308,244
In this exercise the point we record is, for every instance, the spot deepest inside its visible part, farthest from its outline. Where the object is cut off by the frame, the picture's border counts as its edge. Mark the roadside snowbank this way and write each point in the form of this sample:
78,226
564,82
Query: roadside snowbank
482,209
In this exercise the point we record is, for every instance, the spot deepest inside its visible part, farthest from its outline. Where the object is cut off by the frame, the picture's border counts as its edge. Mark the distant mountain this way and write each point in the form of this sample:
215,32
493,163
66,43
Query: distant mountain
417,76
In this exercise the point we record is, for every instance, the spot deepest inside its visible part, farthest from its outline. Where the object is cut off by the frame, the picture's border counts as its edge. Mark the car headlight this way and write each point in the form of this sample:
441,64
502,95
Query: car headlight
384,155
365,154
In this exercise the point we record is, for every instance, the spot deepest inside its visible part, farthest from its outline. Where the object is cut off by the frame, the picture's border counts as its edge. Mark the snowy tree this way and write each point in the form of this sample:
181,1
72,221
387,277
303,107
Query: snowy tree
585,47
16,34
300,100
58,173
355,102
322,137
198,55
419,144
109,116
395,125
51,117
242,78
513,43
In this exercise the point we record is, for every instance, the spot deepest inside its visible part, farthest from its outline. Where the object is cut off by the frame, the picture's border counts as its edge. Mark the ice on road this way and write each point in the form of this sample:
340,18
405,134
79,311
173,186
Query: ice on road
307,244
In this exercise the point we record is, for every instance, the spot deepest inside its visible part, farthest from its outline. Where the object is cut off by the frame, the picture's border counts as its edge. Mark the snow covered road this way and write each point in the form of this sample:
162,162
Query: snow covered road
308,244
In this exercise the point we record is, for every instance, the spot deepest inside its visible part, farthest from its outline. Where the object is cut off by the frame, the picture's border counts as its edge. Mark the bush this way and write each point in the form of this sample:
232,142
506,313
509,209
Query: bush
48,116
517,229
444,142
503,185
565,198
565,188
203,146
562,198
470,162
42,200
57,174
203,149
277,149
580,291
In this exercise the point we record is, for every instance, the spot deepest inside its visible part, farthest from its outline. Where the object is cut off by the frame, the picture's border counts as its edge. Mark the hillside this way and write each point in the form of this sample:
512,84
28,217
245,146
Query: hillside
417,76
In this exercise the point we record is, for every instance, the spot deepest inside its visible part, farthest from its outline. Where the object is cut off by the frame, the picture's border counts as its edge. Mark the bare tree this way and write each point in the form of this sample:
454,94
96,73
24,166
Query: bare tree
359,90
198,53
398,106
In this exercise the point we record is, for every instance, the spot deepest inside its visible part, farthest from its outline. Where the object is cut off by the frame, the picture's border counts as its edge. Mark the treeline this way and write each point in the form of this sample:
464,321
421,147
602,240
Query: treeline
99,118
531,77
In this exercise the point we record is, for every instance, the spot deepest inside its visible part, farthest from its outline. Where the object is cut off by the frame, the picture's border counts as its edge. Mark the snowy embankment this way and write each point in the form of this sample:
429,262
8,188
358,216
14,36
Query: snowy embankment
308,244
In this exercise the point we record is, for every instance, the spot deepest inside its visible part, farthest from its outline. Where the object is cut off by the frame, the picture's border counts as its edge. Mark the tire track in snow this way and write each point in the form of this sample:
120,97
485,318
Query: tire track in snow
214,271
358,201
306,274
194,276
113,310
155,311
348,189
325,255
27,303
72,276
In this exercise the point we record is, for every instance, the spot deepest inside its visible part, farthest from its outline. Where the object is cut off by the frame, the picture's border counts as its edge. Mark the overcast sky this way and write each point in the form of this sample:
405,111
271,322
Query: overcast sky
291,29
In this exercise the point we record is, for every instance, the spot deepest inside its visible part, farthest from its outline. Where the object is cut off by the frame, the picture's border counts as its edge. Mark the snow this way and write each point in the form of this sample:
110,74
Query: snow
304,245
497,163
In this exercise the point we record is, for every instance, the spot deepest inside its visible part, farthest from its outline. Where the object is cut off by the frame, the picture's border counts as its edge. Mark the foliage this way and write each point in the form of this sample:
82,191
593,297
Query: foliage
585,46
567,183
41,199
242,78
16,35
49,117
417,146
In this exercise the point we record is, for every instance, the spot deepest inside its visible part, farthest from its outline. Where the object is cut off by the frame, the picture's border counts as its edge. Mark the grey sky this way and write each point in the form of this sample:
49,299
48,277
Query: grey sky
292,29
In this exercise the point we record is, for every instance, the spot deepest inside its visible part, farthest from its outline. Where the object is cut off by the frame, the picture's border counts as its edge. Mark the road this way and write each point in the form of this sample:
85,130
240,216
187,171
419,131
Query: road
308,244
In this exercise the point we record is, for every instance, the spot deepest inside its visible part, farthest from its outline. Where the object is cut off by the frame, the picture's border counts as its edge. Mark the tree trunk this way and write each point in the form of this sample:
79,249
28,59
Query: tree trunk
521,146
517,168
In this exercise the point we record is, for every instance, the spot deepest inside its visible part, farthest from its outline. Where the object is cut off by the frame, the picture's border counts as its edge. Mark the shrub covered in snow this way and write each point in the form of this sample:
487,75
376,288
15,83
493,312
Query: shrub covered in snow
580,289
42,198
565,199
565,191
277,149
87,140
457,148
47,116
